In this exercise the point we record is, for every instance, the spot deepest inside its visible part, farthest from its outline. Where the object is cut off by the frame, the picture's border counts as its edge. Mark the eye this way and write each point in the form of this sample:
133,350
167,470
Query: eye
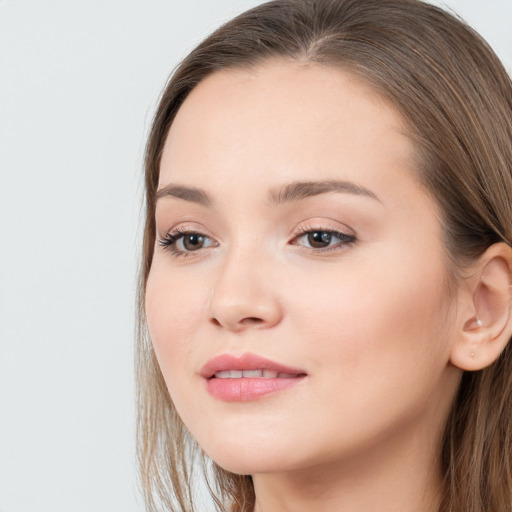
185,242
323,239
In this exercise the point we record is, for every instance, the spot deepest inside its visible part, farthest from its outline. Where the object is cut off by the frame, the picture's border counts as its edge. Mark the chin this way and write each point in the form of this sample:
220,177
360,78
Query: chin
241,466
249,458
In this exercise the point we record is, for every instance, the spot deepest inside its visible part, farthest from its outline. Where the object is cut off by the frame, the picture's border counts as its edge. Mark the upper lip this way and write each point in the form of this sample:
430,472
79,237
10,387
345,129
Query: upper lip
247,361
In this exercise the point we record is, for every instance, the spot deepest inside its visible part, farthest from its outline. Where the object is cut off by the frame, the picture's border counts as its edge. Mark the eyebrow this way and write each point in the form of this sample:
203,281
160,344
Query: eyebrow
190,194
291,192
303,189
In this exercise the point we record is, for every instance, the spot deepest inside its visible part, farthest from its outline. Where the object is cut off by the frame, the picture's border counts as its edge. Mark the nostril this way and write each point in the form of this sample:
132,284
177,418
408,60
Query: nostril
251,320
248,321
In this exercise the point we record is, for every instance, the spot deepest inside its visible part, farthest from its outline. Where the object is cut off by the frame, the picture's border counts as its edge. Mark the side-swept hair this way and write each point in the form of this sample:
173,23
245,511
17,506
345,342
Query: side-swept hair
456,98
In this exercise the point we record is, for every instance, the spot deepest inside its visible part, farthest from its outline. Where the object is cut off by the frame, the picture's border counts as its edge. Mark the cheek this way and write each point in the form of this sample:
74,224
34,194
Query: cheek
378,322
374,343
173,312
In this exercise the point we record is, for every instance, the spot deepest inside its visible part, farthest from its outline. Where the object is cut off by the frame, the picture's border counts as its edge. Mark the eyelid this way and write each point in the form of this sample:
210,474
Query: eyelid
181,226
322,225
346,237
175,234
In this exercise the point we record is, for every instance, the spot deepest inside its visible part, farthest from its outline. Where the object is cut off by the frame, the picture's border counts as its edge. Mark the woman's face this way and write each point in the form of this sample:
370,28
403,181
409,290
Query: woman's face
295,243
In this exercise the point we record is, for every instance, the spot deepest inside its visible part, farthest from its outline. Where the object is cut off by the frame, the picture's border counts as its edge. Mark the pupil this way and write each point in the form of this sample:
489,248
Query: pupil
319,239
193,242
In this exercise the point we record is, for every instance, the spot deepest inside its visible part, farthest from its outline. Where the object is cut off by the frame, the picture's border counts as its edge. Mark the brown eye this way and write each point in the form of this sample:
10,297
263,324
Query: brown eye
319,239
183,243
193,241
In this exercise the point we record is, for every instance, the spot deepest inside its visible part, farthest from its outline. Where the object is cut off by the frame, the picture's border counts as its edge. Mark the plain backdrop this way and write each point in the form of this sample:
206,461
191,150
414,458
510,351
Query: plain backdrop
79,82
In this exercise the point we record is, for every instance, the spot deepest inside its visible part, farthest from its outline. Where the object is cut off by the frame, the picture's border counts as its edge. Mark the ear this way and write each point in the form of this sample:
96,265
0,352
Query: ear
484,324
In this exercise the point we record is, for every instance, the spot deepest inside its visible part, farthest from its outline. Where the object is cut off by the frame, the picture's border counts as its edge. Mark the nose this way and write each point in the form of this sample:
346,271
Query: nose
244,297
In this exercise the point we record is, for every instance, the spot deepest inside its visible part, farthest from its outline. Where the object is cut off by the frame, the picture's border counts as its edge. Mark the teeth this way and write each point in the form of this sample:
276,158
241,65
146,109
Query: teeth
229,374
253,374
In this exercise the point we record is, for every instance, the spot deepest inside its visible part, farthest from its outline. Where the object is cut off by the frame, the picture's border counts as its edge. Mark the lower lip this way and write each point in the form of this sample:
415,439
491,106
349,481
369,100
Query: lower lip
246,389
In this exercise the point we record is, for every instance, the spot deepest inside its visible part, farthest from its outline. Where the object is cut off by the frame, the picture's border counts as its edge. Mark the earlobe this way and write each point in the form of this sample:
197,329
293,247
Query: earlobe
487,327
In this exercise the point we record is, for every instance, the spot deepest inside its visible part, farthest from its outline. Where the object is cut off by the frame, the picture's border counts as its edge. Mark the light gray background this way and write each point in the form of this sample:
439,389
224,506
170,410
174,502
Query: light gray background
78,84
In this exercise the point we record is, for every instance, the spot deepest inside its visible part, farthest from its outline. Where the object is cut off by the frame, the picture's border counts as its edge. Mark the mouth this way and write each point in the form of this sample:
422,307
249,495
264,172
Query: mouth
249,366
252,374
247,377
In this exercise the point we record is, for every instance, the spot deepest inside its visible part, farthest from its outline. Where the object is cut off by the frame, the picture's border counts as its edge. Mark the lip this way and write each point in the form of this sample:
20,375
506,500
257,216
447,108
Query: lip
247,361
247,388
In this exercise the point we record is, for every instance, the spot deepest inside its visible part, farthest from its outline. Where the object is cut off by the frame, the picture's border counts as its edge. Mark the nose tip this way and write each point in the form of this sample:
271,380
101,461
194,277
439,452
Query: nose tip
238,308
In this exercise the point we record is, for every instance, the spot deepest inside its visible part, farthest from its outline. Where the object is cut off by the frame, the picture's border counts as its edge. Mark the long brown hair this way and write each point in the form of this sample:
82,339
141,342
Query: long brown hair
456,97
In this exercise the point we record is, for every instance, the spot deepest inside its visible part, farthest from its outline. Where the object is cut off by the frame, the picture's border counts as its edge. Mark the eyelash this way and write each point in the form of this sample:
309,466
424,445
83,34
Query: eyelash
171,239
345,240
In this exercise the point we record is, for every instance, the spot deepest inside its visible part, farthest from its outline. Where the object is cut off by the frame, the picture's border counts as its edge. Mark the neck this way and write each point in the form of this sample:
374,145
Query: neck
400,475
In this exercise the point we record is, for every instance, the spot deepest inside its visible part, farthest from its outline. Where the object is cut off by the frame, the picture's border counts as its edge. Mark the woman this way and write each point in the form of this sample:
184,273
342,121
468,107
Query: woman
326,276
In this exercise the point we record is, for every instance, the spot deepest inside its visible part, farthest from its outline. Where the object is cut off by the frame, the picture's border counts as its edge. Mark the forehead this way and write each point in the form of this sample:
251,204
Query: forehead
283,121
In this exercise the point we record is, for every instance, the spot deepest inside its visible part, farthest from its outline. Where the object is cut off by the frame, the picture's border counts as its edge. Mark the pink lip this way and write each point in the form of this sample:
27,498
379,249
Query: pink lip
247,361
245,389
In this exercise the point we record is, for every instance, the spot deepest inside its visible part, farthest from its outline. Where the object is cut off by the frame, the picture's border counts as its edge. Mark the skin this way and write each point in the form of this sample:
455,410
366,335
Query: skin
368,321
